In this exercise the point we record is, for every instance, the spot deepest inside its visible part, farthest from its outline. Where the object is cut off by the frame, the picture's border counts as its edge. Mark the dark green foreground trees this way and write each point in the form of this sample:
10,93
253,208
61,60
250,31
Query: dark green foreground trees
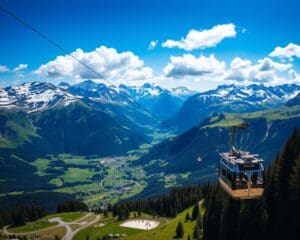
179,199
19,216
274,216
179,230
72,206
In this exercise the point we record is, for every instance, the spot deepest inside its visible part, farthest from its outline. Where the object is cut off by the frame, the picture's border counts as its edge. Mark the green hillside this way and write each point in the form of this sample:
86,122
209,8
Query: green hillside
107,225
44,223
15,129
166,229
231,119
81,129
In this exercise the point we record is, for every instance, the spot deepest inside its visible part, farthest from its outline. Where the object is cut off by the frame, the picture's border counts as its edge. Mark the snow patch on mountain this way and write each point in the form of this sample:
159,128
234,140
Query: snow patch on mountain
33,97
230,98
253,94
182,92
99,92
153,91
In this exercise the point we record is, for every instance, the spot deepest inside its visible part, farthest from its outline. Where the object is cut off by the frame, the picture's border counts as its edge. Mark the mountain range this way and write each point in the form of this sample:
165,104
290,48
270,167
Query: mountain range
230,99
39,120
84,118
161,102
93,118
42,113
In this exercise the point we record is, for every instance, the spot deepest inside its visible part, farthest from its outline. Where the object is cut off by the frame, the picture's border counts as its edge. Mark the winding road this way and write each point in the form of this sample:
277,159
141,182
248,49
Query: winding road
70,233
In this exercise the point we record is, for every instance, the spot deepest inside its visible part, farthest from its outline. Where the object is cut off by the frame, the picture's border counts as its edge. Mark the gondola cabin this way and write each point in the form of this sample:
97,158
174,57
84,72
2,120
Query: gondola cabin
241,174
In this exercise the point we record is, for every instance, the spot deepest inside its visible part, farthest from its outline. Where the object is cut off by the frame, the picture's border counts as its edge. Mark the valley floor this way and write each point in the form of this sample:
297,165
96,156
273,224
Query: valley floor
97,181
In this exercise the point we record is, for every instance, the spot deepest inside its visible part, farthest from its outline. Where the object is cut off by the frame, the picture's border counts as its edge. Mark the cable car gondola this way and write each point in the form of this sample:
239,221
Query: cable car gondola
241,174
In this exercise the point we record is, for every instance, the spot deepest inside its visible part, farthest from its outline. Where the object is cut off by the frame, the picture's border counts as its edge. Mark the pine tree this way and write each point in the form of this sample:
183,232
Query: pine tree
284,165
179,230
173,212
281,207
294,183
195,212
18,218
212,217
294,199
231,211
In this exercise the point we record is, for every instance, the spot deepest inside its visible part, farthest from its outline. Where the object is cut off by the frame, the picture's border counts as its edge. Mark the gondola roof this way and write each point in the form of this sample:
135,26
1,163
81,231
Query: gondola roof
238,157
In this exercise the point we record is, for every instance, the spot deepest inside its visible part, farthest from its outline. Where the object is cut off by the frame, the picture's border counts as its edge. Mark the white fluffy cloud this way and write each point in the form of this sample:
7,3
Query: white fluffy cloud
20,67
196,39
268,64
106,61
294,75
152,44
210,68
265,70
4,68
189,65
289,51
239,63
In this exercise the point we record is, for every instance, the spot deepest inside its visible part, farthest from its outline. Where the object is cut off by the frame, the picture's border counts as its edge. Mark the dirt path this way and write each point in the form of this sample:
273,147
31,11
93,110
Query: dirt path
87,225
70,233
4,231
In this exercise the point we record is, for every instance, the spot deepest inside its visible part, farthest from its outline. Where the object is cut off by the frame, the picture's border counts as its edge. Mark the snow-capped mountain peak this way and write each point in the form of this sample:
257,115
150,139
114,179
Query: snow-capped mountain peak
35,96
153,90
231,98
254,94
63,85
183,92
139,92
99,92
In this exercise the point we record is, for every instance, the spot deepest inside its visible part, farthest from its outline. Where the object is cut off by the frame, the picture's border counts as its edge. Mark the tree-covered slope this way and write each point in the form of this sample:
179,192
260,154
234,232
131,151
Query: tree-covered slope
197,149
81,129
76,128
15,129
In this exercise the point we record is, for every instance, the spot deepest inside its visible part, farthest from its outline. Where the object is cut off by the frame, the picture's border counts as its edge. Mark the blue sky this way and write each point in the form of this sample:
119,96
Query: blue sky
259,27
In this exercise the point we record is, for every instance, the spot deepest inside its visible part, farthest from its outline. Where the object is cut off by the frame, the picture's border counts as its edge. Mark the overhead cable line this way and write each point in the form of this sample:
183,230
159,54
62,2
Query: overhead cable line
55,44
